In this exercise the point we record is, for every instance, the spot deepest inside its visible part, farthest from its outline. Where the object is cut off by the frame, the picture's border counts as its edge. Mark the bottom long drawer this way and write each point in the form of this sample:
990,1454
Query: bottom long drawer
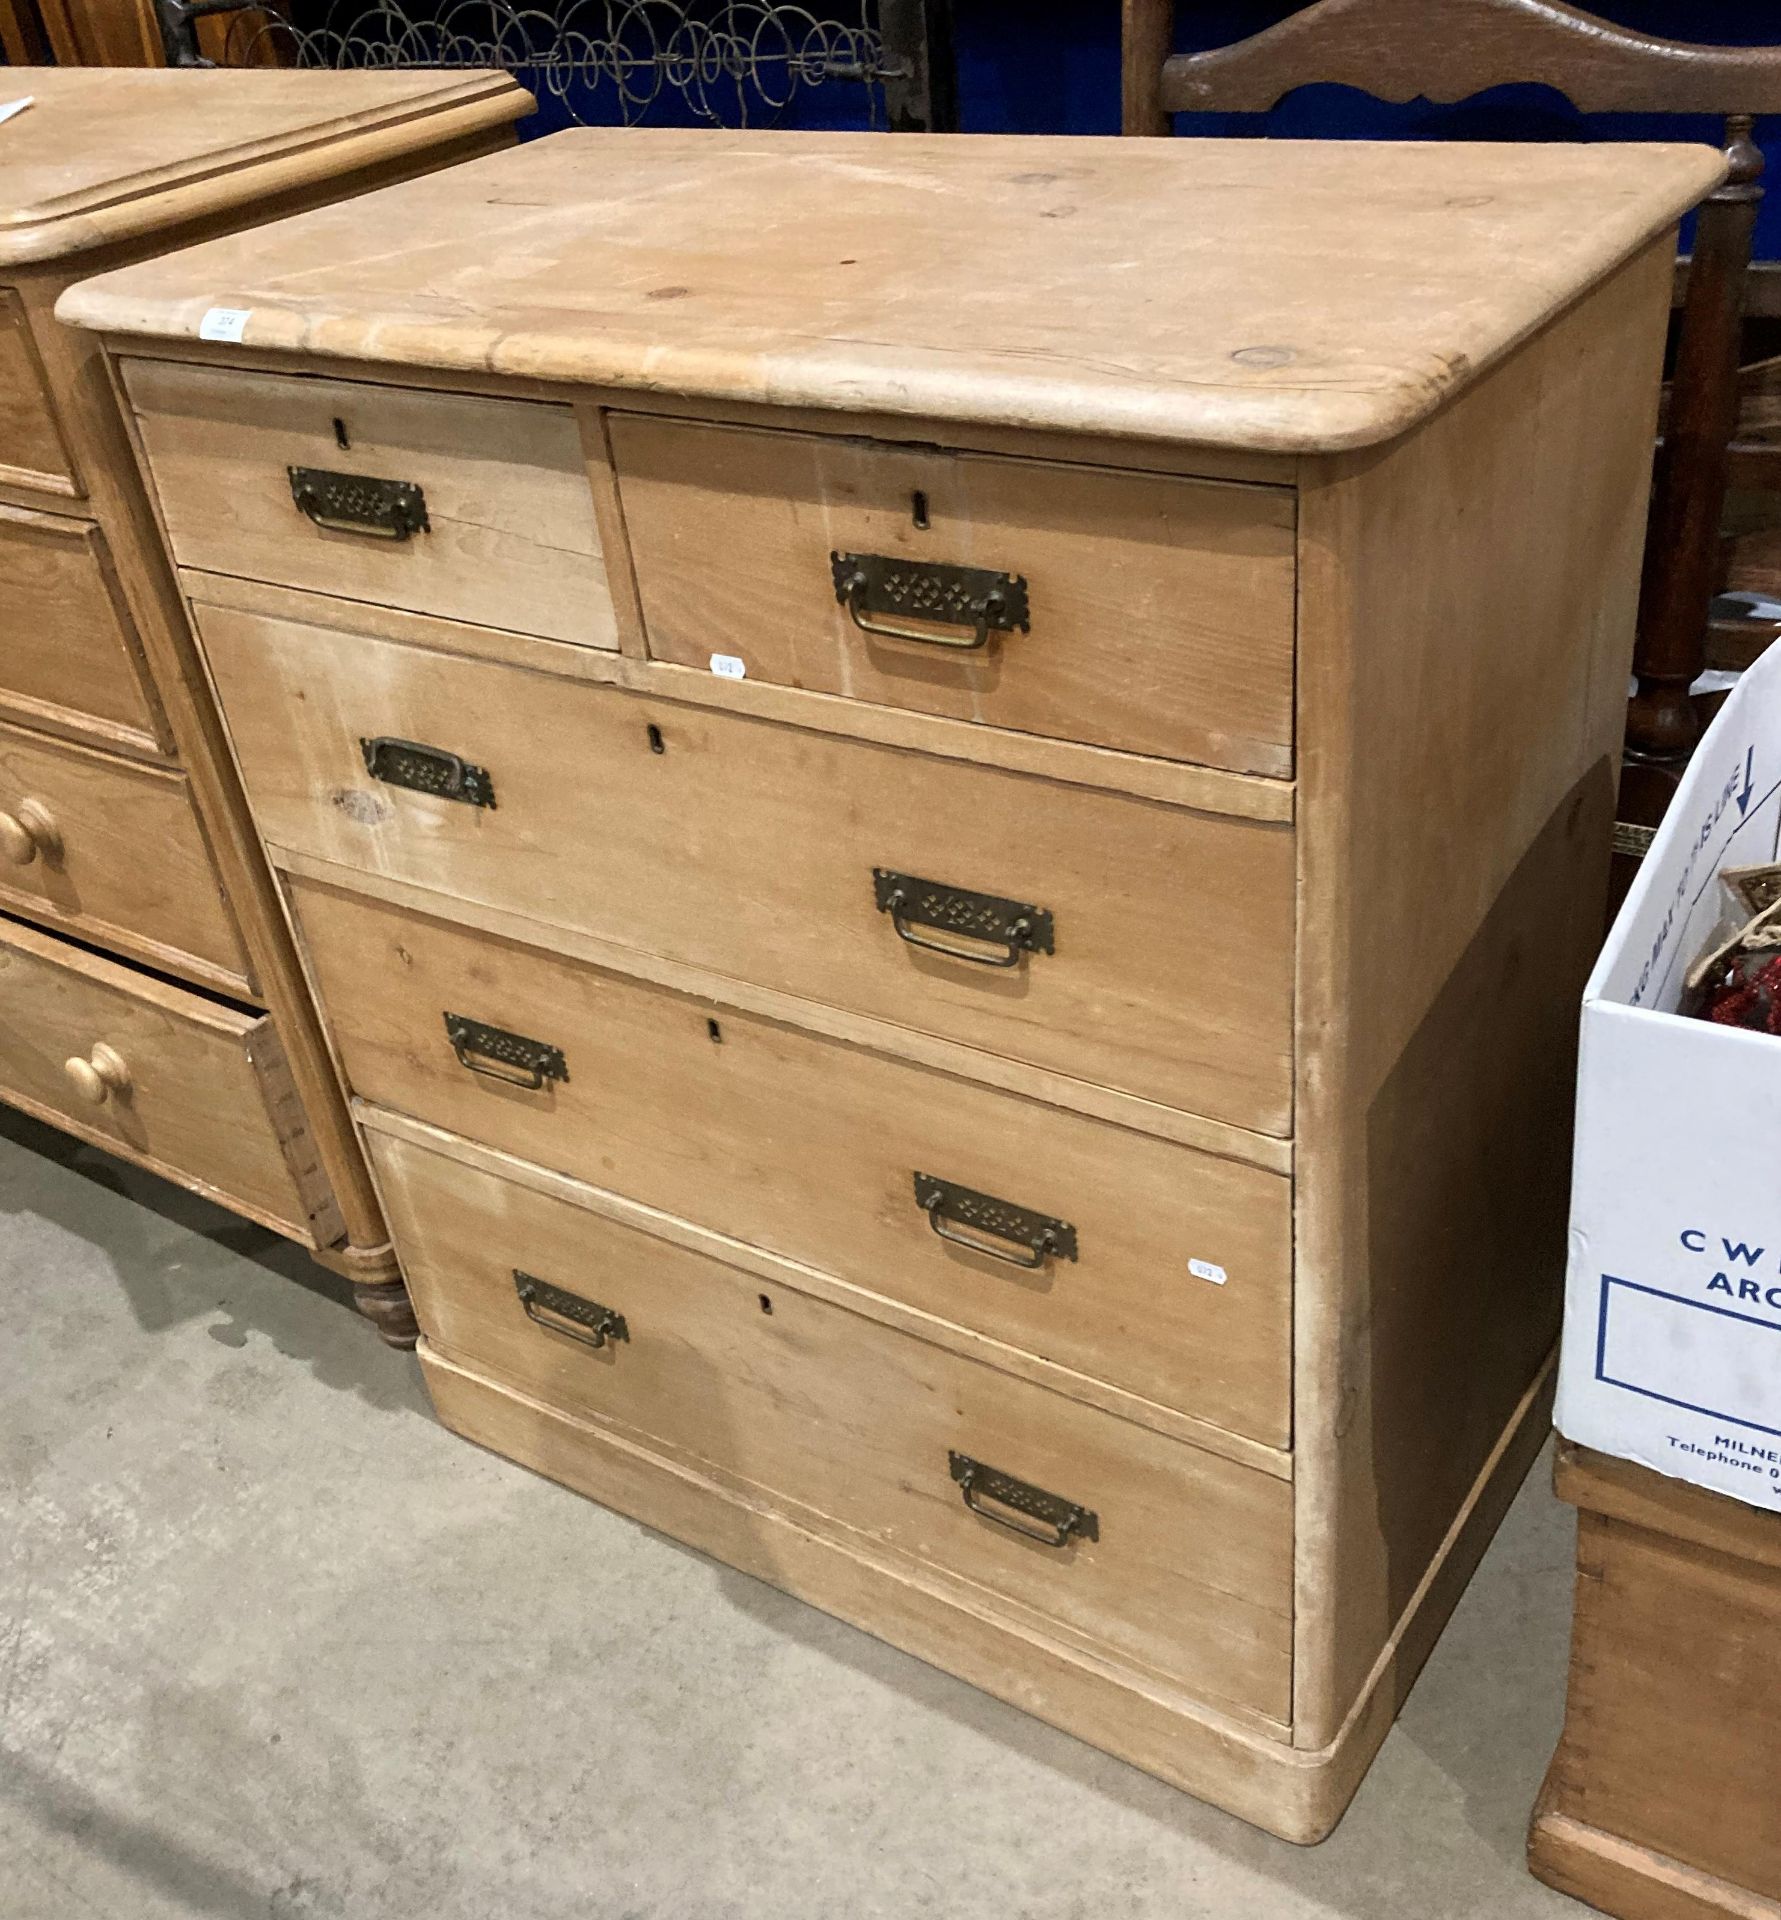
193,1087
1166,1556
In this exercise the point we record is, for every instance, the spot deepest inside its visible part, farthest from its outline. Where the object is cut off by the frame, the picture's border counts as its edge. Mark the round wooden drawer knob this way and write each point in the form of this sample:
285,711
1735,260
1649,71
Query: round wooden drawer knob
99,1076
29,832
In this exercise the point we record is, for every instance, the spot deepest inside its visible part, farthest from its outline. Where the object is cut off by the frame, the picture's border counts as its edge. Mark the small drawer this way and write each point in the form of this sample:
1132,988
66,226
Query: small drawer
1130,610
112,850
1134,945
1161,1270
32,451
191,1087
1166,1556
439,503
71,660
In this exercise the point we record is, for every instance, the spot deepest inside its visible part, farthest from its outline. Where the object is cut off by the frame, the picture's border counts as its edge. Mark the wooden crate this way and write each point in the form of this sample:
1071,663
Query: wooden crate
1663,1801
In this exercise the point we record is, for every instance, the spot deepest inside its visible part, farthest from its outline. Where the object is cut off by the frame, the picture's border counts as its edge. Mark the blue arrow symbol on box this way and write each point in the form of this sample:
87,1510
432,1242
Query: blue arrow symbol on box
1749,766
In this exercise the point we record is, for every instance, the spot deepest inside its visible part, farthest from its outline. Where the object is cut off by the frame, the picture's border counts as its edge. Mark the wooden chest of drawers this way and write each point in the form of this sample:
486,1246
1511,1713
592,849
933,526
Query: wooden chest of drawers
139,926
947,801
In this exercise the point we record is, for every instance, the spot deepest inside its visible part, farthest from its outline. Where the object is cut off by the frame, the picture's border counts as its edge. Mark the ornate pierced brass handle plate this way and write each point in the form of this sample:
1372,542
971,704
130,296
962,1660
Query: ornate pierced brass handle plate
882,595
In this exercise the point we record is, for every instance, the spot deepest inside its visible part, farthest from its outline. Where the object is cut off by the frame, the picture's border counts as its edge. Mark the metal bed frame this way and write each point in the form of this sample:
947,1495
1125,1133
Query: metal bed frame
731,62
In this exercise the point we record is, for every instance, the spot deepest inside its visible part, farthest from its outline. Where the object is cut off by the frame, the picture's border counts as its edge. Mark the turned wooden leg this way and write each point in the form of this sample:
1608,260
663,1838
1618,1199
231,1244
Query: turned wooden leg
389,1309
1682,555
378,1291
1147,33
1682,549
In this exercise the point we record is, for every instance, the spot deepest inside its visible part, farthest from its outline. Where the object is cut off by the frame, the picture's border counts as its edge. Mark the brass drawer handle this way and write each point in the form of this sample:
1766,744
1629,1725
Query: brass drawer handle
1009,924
987,1490
950,1206
360,503
29,832
500,1055
558,1311
99,1075
871,586
424,769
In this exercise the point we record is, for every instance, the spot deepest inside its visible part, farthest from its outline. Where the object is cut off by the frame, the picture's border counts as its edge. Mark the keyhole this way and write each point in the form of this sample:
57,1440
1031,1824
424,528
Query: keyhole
656,743
918,509
342,439
766,1304
714,1031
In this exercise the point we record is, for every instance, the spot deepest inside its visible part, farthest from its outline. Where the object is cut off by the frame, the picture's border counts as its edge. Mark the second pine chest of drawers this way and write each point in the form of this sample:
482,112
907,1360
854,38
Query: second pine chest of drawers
947,800
151,1000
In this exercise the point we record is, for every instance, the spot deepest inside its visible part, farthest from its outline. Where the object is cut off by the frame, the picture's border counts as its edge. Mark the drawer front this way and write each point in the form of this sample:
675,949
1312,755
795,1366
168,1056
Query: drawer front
1125,609
755,850
1189,1576
70,657
32,453
1075,1240
111,850
190,1086
509,538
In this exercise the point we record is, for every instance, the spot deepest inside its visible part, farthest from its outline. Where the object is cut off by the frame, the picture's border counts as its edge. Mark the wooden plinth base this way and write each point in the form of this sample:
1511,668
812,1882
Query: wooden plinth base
1246,1765
1627,1880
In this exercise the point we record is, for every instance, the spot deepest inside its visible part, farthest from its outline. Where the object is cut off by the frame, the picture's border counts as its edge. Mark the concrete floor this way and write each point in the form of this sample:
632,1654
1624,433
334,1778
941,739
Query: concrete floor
274,1644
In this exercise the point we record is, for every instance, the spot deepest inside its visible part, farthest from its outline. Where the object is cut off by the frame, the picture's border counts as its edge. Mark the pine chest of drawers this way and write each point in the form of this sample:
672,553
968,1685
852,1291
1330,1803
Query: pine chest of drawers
151,1000
947,800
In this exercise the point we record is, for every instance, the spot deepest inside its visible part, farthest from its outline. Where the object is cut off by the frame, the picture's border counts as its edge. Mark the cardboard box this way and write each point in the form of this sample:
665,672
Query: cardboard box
1672,1335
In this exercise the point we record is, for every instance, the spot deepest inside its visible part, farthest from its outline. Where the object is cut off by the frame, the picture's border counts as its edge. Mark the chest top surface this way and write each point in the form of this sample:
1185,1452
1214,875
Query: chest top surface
1288,296
106,153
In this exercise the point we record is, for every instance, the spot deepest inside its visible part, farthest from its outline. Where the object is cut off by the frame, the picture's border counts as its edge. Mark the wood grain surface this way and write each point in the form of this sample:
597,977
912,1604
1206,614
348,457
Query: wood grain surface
1265,294
1189,1577
1461,719
105,154
809,1148
1385,48
128,866
72,661
1660,1803
677,843
1160,610
32,452
203,1077
510,539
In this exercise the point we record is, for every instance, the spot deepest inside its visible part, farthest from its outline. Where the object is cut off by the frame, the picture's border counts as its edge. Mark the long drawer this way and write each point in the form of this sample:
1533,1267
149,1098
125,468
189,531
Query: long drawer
440,503
32,451
1134,945
1134,610
70,658
1177,1560
190,1086
112,850
1145,1264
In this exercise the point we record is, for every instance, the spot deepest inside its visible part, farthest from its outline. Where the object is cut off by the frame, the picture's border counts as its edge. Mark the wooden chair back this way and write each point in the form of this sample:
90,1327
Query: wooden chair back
1408,50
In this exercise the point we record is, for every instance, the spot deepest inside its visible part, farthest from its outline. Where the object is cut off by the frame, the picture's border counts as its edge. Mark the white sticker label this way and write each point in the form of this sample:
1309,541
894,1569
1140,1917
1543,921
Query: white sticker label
1205,1270
729,666
224,323
15,106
